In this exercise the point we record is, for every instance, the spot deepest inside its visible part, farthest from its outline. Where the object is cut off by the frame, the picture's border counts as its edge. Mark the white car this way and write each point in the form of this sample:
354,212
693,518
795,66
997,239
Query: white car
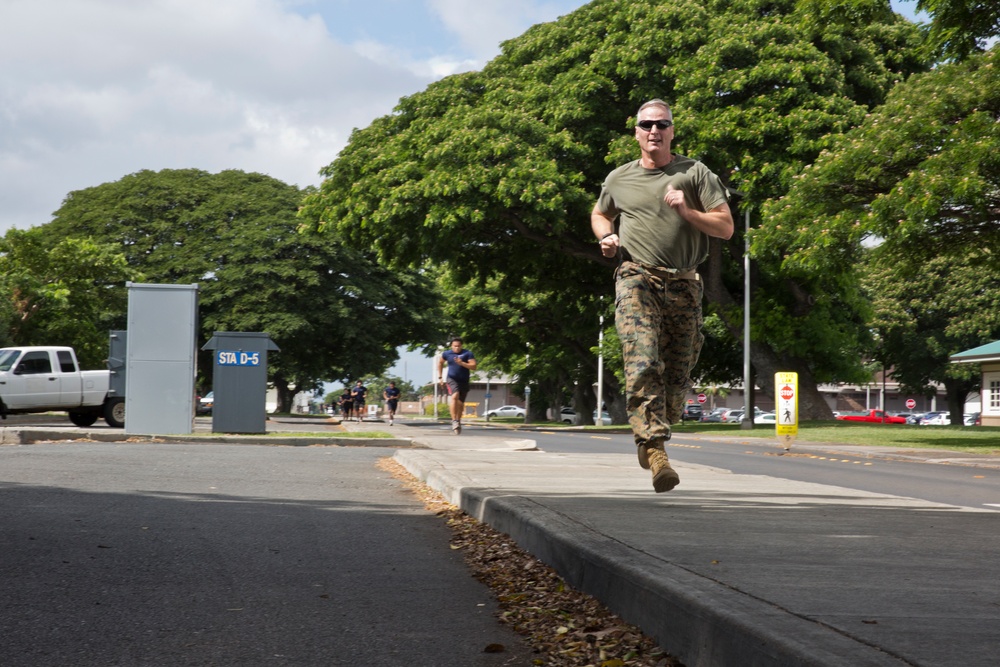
506,411
766,418
936,419
569,416
605,418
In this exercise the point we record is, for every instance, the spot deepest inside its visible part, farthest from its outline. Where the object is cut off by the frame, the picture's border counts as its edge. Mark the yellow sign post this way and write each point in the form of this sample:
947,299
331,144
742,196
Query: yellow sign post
786,389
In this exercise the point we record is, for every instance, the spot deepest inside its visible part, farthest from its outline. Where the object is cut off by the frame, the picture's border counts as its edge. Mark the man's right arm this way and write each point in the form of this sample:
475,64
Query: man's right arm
603,227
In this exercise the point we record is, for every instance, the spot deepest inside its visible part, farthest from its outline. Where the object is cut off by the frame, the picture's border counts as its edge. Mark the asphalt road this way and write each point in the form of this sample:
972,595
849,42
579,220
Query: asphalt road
166,554
953,484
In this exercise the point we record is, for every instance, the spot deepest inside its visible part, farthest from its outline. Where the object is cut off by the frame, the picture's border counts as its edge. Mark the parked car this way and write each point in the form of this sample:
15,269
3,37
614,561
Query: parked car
691,412
973,419
915,417
766,418
205,403
49,379
716,415
936,419
737,416
871,416
605,418
506,411
569,416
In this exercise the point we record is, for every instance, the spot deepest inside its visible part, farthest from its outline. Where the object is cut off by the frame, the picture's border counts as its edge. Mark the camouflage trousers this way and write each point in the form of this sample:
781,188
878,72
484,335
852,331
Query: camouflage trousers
659,320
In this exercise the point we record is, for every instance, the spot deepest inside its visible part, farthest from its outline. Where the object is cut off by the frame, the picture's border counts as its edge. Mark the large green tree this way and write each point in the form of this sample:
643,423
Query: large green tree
61,291
333,311
921,175
926,311
961,28
494,173
919,179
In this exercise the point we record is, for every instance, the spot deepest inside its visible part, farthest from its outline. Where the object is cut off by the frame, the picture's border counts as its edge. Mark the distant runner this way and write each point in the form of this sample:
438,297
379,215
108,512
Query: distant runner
391,396
358,394
460,362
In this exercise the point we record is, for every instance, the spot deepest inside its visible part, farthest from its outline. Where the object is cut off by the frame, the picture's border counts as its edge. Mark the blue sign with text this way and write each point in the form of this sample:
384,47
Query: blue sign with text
237,358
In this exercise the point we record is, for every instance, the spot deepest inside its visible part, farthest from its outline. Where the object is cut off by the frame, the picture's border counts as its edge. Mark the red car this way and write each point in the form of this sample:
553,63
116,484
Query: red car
871,416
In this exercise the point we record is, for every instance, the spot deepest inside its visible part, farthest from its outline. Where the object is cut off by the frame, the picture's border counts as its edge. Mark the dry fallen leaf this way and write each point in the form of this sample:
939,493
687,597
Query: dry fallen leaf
564,627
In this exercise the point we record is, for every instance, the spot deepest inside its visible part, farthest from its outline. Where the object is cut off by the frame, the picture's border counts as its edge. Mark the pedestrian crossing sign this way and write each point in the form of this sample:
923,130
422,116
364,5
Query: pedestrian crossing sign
786,417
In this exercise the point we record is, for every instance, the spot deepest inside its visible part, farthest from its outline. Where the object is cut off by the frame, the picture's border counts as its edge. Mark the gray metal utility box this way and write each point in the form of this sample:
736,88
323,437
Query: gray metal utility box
239,381
161,358
117,358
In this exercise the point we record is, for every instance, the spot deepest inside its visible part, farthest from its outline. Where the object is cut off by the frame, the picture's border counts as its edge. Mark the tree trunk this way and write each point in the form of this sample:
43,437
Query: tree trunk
957,391
285,395
763,359
583,403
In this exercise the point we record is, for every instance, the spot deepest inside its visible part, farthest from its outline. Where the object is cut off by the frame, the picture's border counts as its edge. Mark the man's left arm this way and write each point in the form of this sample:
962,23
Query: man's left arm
716,222
470,363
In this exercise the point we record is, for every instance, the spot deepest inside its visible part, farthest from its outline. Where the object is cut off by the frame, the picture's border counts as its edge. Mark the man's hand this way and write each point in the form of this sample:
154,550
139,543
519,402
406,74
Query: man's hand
609,245
718,222
674,198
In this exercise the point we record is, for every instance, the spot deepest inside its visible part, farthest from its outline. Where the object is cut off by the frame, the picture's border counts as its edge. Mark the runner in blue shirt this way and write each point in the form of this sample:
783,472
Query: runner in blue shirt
358,394
460,362
391,396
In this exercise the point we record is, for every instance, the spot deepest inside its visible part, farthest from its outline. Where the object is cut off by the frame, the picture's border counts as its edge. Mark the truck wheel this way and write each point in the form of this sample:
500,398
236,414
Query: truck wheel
83,419
114,412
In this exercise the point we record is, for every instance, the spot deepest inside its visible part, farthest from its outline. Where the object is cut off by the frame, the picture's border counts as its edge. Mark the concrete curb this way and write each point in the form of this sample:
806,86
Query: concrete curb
27,436
706,623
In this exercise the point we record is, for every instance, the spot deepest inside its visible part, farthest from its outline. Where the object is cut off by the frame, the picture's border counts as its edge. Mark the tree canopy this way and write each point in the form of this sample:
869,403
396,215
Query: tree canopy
920,181
921,174
62,291
925,312
494,173
961,28
333,312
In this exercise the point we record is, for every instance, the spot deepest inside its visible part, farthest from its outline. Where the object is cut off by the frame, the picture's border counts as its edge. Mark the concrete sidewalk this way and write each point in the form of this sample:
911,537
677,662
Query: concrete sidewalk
727,570
741,570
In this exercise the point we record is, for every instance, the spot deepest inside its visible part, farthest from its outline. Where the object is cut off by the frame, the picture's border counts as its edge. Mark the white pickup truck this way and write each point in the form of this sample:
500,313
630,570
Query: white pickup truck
44,379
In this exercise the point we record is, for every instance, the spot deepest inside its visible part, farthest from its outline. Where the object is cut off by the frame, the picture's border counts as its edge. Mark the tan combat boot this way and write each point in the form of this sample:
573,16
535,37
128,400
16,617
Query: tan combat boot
655,459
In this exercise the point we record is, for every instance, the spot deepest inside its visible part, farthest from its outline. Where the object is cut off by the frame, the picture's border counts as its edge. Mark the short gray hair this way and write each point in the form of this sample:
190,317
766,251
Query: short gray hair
655,103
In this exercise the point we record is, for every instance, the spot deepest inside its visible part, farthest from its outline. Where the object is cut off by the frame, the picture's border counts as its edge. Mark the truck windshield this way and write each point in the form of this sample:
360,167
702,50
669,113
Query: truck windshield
7,359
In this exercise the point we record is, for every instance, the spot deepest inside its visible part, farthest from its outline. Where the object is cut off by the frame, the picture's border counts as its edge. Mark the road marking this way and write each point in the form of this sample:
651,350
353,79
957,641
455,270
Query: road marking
599,437
992,504
814,457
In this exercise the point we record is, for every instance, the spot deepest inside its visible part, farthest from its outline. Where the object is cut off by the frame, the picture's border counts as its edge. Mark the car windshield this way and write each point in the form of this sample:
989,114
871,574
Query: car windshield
7,359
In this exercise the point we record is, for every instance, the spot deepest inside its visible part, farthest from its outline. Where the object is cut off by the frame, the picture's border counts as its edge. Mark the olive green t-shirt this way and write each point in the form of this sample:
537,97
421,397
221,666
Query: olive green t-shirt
650,230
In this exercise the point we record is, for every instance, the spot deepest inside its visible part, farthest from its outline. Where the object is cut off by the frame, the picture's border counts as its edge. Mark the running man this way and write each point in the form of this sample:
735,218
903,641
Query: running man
358,395
346,405
391,396
460,362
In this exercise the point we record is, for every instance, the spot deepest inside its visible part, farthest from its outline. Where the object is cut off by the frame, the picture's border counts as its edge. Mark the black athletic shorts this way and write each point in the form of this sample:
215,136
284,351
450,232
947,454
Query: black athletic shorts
460,388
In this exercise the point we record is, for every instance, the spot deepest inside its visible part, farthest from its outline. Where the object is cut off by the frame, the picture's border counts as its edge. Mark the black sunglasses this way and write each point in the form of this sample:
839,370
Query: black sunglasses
660,124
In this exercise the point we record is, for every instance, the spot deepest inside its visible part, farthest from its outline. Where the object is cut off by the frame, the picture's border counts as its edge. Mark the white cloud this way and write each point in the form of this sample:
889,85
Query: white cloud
482,24
92,90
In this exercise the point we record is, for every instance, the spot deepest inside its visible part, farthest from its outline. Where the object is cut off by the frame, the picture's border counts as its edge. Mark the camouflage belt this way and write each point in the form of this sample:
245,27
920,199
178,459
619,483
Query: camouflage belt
664,273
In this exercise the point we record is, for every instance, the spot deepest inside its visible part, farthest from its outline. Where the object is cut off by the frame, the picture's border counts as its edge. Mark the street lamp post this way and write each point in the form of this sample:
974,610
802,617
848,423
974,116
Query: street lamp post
600,370
434,379
748,397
